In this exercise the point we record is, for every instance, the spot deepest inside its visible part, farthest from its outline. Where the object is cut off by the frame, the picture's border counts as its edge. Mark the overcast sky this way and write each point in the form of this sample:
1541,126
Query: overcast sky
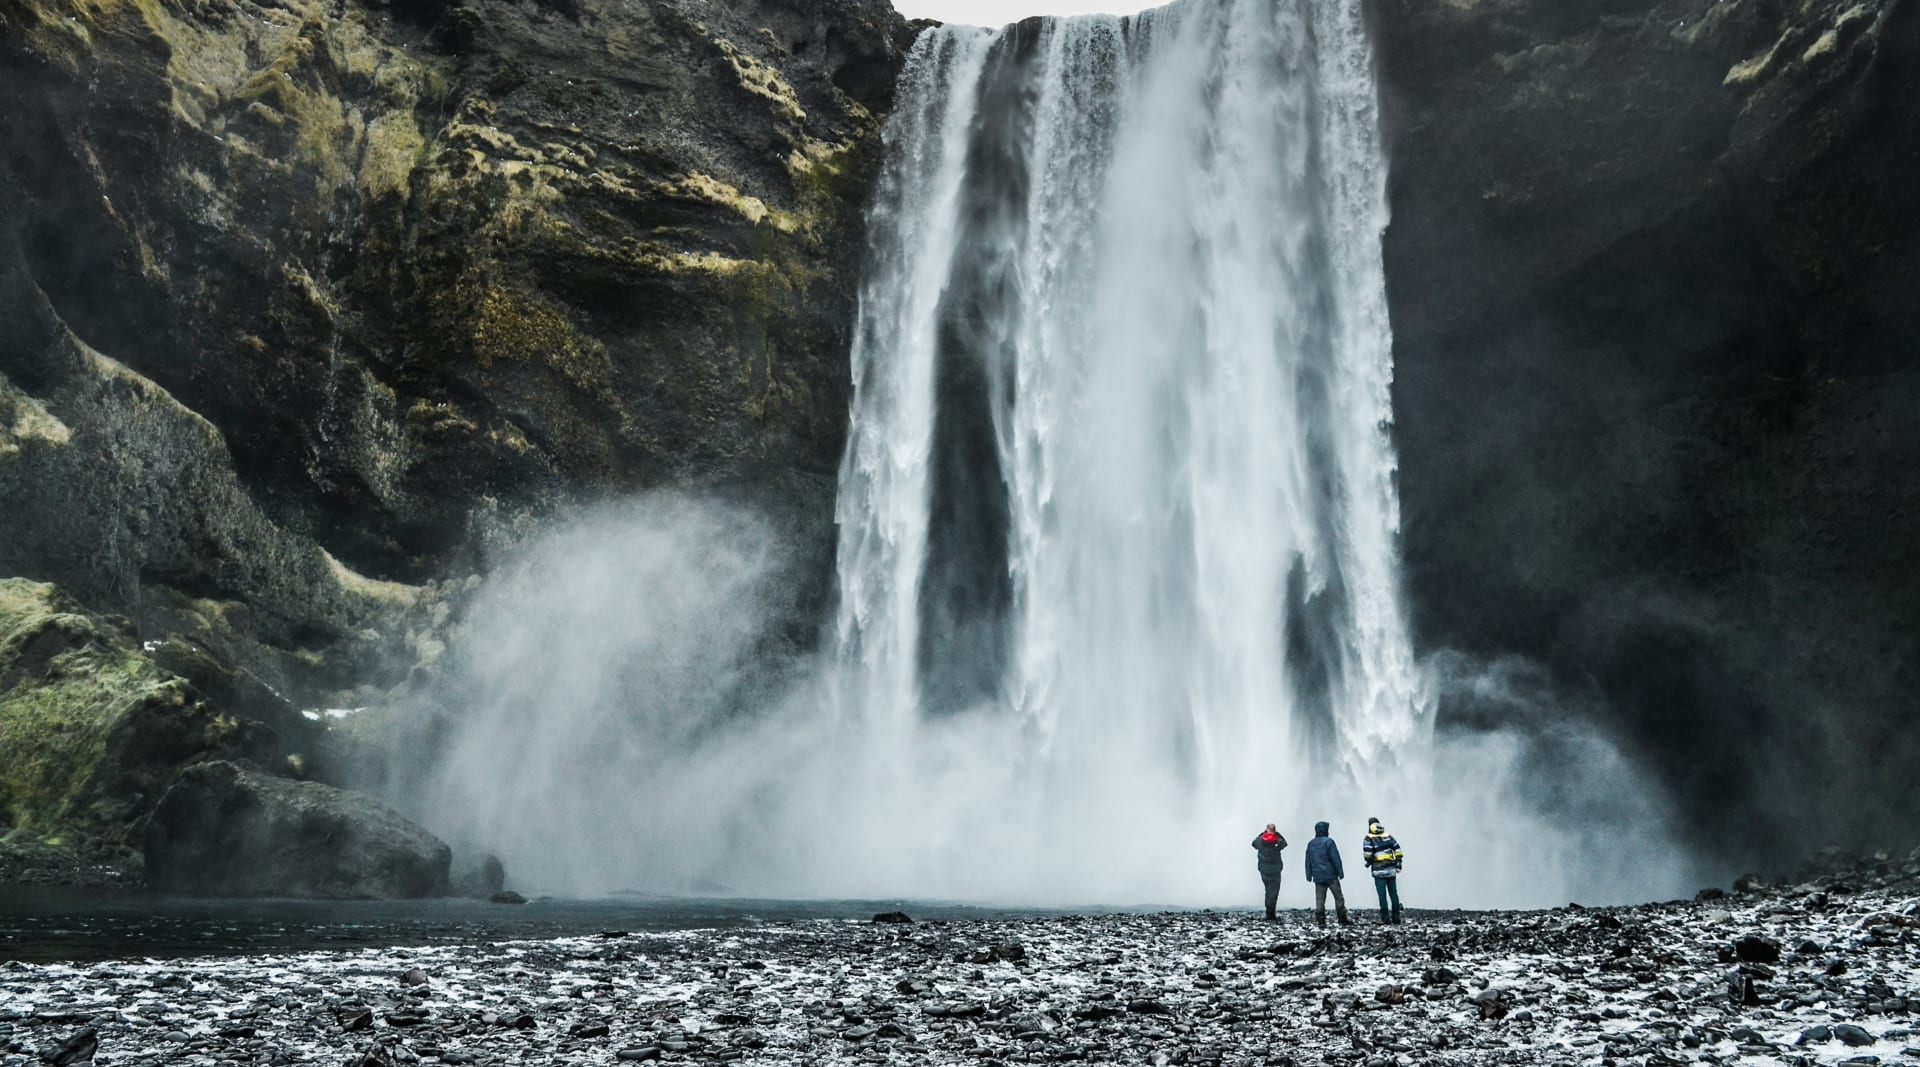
1001,12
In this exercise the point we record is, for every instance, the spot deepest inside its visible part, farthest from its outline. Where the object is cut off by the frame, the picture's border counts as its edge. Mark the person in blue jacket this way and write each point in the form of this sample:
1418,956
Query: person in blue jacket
1325,871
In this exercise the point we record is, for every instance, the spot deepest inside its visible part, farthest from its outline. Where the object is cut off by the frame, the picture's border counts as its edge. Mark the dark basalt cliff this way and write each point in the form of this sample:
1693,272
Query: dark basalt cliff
305,300
305,305
1655,279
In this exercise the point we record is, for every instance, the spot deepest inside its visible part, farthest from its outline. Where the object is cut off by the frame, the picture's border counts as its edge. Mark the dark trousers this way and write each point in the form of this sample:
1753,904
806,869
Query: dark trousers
1273,891
1386,887
1320,891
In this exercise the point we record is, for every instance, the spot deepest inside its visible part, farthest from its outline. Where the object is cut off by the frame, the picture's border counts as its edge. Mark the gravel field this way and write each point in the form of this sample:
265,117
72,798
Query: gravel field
1824,971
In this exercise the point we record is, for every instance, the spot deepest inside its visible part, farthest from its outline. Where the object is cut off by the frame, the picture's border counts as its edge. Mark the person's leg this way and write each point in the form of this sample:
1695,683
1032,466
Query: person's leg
1380,889
1340,902
1273,892
1393,890
1320,902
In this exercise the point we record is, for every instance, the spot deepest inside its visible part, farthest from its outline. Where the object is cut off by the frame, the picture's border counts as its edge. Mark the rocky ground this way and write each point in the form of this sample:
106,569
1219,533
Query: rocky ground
1823,971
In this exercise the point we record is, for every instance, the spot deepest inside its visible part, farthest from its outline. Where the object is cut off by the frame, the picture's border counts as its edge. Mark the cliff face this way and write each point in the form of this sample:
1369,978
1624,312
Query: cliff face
305,306
306,300
1652,270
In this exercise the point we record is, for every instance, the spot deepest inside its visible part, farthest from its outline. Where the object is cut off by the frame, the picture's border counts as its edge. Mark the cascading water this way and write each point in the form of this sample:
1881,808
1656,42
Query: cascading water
1118,521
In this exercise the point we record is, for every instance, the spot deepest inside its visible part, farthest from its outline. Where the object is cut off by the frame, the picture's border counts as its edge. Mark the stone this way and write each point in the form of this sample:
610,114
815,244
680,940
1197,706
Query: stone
1852,1034
78,1048
896,917
479,877
638,1054
1741,990
413,977
507,897
227,829
1756,948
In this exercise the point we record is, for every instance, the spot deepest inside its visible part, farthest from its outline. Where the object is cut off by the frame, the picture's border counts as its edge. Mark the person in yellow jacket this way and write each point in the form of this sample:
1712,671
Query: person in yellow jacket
1383,857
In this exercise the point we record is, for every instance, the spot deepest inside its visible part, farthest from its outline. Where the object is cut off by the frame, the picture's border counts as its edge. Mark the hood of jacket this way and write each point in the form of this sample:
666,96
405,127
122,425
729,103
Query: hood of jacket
1320,829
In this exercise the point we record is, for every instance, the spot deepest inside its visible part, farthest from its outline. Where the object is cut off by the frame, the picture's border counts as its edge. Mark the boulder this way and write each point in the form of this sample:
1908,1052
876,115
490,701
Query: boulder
479,876
227,829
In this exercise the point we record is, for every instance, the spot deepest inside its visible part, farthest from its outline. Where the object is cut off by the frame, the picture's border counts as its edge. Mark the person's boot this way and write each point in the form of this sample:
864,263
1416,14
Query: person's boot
1396,914
1345,920
1386,917
1321,918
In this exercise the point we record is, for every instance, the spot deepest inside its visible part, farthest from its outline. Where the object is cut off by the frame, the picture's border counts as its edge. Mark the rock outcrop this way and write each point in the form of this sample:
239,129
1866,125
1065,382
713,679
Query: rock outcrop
91,730
226,829
297,292
308,308
1652,269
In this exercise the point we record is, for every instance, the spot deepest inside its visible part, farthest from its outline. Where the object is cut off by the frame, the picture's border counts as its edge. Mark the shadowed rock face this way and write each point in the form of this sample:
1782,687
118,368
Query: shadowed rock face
227,830
307,307
90,729
1651,269
378,283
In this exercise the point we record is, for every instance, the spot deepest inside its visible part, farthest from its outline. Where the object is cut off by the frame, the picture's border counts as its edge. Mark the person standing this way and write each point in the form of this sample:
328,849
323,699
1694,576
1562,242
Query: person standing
1325,871
1384,858
1269,845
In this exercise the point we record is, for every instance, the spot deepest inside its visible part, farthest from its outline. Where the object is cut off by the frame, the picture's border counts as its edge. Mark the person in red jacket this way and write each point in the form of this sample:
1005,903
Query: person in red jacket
1269,845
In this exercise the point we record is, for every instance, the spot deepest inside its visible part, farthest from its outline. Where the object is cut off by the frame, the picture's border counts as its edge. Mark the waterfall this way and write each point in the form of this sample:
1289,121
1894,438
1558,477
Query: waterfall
1118,523
1118,542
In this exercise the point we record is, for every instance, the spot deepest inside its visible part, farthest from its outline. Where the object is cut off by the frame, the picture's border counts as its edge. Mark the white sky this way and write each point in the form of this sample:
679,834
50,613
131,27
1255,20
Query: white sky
1001,12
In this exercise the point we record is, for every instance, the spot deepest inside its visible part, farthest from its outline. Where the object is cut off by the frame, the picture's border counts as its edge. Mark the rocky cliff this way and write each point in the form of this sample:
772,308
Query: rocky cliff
306,299
306,305
1653,272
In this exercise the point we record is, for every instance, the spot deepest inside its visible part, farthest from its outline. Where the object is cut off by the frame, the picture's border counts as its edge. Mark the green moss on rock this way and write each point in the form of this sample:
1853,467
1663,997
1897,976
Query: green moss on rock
87,722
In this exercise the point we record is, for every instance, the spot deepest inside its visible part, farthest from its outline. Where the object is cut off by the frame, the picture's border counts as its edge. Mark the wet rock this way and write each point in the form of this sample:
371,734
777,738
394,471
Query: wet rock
507,897
1756,948
79,1048
227,829
638,1054
479,877
1852,1034
897,917
1437,976
377,1056
413,977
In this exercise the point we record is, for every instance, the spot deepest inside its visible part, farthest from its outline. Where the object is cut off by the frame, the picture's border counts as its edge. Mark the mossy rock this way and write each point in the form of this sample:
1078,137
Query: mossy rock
90,728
